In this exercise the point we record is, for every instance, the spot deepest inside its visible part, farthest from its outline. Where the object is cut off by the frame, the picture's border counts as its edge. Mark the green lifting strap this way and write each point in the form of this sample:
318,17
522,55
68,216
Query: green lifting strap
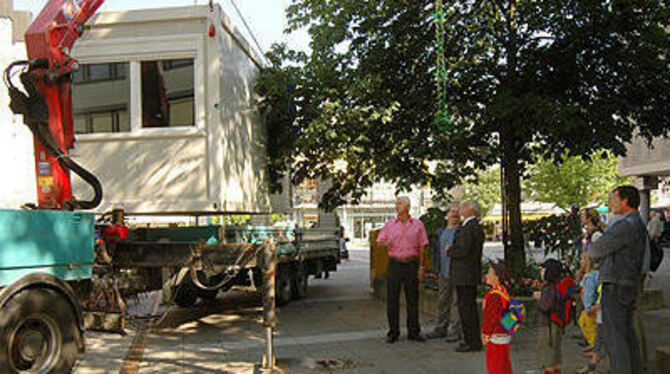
443,117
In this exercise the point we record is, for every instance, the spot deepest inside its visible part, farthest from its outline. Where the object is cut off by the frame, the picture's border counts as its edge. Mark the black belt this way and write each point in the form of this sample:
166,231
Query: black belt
407,260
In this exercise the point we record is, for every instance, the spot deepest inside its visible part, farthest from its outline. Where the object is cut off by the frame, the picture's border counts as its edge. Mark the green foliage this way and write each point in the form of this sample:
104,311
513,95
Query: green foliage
523,77
235,220
560,234
522,282
276,87
485,188
276,217
364,99
432,220
571,179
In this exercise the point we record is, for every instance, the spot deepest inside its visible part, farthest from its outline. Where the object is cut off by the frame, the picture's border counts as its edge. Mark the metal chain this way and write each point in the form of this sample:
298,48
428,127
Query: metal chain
231,272
442,118
173,295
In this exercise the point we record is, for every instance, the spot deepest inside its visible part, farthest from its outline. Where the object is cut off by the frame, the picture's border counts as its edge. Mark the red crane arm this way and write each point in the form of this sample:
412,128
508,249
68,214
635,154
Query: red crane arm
53,33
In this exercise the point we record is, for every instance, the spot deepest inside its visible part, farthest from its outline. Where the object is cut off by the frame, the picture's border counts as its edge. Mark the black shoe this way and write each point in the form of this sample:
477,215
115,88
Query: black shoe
390,339
417,338
466,348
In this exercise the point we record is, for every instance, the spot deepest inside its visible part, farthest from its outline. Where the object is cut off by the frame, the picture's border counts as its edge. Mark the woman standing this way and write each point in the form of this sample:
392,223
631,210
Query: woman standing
594,227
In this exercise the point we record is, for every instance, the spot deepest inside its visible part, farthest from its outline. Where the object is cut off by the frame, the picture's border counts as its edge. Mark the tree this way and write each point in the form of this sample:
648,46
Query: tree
522,77
485,188
571,179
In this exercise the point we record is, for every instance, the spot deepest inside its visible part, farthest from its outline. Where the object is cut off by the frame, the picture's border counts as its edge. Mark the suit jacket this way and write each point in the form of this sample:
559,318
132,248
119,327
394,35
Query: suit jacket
466,254
623,248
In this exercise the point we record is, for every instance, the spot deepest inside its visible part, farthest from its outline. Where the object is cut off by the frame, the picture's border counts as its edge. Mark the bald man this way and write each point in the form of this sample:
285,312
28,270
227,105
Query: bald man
405,239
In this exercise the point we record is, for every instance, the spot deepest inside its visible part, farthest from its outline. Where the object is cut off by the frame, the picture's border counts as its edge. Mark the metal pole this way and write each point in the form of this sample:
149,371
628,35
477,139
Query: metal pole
269,338
269,316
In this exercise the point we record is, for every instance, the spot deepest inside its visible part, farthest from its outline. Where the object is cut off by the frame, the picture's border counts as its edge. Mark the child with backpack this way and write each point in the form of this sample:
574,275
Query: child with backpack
554,303
500,318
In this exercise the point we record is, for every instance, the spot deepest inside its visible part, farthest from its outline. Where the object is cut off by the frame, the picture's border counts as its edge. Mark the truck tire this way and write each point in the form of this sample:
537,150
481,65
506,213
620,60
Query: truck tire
38,332
283,286
186,294
299,283
209,295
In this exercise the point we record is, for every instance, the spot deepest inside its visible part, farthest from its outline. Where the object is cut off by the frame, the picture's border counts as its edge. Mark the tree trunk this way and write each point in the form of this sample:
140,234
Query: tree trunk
515,255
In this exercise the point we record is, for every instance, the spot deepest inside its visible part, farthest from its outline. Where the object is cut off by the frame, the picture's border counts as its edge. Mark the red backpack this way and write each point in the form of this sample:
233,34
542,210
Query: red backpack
563,313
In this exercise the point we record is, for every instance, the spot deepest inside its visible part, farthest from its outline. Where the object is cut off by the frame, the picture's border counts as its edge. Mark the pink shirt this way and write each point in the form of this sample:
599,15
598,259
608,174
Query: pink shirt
407,238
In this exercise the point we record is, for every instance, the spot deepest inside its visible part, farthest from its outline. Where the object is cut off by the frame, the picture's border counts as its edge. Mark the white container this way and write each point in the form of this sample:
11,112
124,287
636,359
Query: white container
215,164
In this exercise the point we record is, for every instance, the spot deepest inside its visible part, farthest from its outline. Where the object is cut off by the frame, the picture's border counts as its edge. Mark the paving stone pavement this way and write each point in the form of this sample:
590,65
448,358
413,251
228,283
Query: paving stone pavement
339,328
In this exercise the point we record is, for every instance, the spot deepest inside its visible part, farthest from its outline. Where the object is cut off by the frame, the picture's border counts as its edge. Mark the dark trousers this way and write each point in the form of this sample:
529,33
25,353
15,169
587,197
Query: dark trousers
638,324
467,310
619,338
403,275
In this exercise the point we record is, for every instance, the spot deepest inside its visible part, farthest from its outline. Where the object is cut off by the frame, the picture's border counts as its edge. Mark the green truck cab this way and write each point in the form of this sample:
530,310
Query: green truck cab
44,255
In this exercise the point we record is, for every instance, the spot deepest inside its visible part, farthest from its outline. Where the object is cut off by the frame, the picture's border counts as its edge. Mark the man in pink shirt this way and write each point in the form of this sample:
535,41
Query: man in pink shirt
406,239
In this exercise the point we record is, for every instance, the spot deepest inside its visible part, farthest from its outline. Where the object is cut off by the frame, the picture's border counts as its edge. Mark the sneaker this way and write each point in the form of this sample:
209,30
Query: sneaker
417,338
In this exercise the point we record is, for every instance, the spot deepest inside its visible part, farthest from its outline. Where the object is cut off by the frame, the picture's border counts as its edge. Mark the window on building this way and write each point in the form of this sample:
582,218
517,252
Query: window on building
101,98
100,72
168,93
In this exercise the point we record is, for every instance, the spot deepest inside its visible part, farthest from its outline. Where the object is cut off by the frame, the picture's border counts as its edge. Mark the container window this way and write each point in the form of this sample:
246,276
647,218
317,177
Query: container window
101,98
168,93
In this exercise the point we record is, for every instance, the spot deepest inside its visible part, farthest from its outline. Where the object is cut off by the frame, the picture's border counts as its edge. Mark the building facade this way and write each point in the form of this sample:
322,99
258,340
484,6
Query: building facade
374,209
649,165
16,141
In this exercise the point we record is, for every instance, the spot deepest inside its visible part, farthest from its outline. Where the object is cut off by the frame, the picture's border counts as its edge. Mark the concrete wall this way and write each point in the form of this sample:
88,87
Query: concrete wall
643,160
16,147
21,19
6,8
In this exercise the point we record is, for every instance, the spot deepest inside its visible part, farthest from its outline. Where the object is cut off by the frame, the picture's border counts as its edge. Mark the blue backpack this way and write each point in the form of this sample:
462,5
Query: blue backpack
512,318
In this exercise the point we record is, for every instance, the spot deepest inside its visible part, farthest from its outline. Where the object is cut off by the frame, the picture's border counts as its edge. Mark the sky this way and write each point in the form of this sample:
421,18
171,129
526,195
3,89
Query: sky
265,17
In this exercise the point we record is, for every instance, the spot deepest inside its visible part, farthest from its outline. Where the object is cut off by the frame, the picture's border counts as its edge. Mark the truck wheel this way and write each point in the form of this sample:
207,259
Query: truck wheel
38,332
209,295
283,287
186,294
299,283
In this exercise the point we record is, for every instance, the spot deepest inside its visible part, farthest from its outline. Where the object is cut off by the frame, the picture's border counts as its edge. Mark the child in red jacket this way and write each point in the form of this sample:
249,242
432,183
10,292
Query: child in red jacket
494,336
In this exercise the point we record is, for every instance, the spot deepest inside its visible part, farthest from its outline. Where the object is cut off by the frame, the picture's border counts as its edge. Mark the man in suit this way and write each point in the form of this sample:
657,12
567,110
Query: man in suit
466,273
623,249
